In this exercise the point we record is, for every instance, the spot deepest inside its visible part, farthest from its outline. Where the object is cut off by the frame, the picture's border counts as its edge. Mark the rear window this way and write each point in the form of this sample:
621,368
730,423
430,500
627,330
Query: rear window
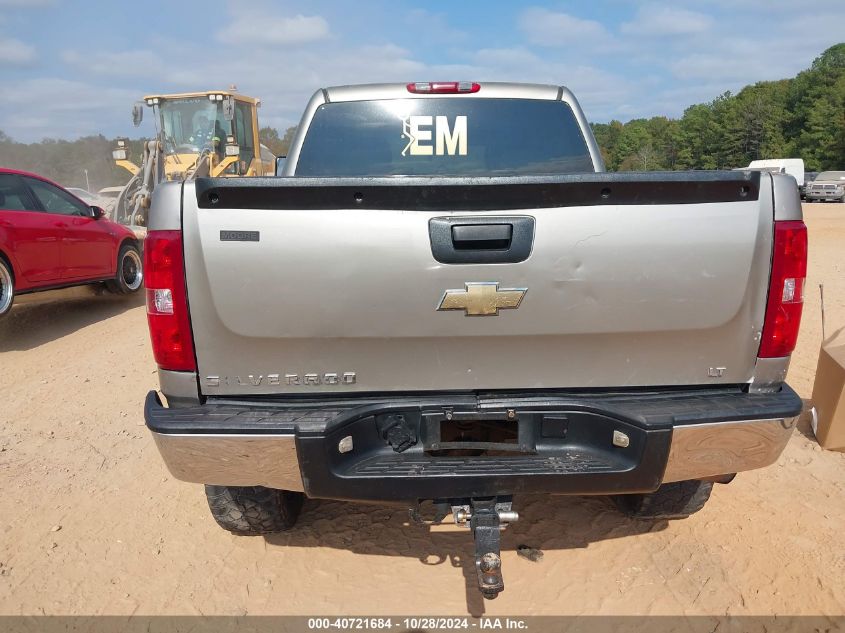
444,137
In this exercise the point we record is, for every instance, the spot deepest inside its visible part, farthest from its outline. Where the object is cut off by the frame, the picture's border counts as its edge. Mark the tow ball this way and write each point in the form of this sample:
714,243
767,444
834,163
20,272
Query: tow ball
487,518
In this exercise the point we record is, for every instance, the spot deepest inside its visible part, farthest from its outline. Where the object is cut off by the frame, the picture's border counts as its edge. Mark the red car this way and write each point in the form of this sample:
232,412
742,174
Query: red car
49,239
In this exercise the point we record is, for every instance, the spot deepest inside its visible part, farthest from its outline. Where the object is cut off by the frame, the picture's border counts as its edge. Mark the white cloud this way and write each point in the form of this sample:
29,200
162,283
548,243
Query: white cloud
35,108
258,29
136,65
777,51
139,63
550,28
15,53
707,66
657,20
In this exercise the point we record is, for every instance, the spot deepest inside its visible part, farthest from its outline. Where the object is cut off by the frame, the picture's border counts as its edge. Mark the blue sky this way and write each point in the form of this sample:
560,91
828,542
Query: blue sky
71,68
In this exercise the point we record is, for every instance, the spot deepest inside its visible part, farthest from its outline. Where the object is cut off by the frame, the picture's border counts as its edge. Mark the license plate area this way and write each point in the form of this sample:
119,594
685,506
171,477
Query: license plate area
475,434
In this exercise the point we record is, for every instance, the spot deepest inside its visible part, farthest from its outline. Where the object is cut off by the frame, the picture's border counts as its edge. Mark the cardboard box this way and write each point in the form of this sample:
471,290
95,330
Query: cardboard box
829,394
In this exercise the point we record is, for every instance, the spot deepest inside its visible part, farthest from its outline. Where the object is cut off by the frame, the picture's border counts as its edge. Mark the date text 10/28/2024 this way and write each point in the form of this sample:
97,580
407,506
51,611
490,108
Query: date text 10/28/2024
416,623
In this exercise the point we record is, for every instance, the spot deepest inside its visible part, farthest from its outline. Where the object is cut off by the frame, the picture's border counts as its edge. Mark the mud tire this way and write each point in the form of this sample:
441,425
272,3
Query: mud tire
253,510
676,500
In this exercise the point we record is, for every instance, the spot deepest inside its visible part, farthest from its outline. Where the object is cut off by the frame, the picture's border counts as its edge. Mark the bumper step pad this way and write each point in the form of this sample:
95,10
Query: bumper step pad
566,462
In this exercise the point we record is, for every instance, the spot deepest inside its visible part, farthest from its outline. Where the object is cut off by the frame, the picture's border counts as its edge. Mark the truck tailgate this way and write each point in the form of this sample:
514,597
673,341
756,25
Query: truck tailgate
302,286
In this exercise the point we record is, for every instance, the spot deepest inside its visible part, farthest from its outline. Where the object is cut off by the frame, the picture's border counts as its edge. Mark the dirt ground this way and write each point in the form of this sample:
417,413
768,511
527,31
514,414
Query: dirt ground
92,523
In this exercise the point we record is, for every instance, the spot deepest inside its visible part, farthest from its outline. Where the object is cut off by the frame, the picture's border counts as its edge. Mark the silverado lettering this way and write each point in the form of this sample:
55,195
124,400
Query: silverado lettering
253,380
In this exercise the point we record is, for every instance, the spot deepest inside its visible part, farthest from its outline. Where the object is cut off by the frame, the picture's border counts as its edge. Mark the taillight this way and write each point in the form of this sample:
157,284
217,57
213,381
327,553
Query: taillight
167,303
443,87
786,290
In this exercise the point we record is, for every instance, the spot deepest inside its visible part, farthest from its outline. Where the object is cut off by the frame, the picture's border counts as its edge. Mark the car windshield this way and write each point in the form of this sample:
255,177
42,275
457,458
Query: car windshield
192,124
831,175
444,136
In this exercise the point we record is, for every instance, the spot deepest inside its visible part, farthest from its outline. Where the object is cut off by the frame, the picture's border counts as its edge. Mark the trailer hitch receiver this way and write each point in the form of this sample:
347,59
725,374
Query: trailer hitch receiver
487,518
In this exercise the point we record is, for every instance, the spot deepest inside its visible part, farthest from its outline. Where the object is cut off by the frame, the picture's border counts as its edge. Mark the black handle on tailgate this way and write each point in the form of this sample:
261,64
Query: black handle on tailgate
481,240
482,236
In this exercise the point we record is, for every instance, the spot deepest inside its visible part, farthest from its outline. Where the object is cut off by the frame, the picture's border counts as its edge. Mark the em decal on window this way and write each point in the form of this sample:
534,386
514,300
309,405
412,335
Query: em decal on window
447,140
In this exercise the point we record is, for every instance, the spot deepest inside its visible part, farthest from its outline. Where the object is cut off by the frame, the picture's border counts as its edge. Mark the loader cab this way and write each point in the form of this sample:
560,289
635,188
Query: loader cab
211,133
220,126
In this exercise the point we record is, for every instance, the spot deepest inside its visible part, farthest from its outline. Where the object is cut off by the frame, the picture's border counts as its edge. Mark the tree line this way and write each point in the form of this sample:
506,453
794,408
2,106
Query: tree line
802,117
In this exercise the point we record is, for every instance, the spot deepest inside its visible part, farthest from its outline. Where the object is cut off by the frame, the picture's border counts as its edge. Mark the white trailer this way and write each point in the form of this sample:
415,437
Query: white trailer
792,166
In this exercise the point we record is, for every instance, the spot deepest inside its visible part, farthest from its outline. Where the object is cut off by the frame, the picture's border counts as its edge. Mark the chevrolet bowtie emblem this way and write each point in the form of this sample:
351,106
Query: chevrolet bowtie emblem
482,299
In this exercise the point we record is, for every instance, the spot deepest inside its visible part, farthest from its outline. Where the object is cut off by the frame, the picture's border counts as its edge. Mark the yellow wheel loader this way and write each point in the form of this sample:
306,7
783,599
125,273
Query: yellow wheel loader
210,133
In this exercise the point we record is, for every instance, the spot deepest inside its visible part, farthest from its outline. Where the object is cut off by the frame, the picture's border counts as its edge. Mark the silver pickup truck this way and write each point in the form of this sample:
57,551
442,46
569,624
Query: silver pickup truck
828,185
444,302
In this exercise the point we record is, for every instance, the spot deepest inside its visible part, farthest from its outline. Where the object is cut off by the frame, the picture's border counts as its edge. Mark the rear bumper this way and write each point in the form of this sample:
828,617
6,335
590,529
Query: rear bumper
565,443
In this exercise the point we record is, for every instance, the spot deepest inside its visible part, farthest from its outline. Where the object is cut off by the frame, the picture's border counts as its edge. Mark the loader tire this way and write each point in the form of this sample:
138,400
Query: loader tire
130,271
676,500
253,510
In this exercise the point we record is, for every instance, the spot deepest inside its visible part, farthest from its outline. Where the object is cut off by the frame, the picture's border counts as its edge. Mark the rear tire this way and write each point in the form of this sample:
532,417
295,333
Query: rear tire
7,288
253,510
676,500
130,271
